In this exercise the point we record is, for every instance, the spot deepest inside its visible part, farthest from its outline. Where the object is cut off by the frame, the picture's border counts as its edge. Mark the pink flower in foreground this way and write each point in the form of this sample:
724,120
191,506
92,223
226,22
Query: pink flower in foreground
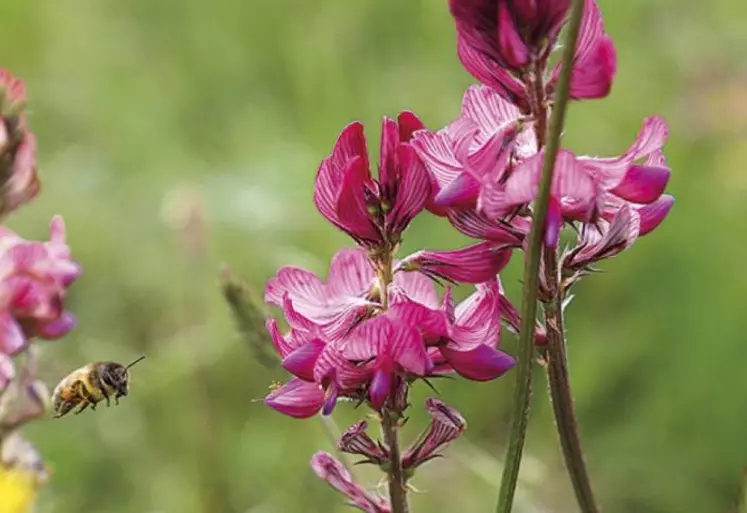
18,179
337,476
374,212
371,356
446,425
34,277
498,40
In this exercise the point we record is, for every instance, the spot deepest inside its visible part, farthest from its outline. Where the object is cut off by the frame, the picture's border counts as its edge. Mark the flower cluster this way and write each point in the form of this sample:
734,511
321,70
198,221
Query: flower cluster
376,324
34,278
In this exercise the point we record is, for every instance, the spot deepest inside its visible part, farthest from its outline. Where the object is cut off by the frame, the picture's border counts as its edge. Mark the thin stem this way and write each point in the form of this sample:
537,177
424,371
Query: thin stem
395,475
560,390
523,386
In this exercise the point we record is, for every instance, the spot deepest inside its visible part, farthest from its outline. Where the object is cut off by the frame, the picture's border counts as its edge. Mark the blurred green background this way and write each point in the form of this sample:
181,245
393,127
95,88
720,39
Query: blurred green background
146,111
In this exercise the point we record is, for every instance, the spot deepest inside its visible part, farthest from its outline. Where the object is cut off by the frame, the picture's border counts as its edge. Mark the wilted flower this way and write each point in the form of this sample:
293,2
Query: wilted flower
499,40
18,179
446,425
337,476
374,212
355,440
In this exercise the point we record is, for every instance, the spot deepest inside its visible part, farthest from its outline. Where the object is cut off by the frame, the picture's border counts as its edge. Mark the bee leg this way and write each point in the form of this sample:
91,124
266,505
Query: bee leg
106,396
82,407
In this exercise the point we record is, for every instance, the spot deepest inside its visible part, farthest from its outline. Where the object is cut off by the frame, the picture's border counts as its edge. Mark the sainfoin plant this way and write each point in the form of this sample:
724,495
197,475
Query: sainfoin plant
377,325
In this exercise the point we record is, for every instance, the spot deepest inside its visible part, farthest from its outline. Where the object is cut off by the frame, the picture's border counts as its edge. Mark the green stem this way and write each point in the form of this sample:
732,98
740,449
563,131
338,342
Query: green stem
523,386
560,391
395,475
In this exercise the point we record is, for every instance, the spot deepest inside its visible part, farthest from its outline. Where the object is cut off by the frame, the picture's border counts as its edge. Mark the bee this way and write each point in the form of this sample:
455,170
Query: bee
91,384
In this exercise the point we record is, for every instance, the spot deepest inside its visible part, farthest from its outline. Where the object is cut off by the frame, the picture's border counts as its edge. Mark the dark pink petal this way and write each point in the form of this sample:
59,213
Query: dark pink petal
489,161
477,225
477,318
12,338
433,324
7,372
301,361
473,264
654,213
512,47
460,192
437,150
489,72
280,343
381,386
574,187
56,328
642,184
327,468
481,363
352,208
355,440
297,398
407,349
408,123
553,223
414,189
447,425
388,167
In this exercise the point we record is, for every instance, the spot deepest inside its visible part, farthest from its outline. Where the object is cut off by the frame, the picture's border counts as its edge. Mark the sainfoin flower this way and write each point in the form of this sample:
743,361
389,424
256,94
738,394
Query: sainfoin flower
374,212
34,278
499,40
337,476
18,179
367,352
447,424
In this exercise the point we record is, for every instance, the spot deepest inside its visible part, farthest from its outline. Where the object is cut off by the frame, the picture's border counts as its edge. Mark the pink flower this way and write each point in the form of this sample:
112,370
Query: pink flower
19,183
34,277
498,40
474,264
337,476
373,212
446,425
355,440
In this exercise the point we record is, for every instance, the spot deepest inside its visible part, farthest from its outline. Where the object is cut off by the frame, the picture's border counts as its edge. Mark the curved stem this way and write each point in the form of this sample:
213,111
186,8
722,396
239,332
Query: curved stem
523,386
560,391
395,475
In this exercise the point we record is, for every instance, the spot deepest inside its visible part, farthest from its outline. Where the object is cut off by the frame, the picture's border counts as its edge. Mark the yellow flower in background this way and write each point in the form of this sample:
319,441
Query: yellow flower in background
17,490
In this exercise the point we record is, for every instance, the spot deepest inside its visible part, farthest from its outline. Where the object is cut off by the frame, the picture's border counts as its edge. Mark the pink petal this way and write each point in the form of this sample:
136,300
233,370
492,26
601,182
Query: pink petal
489,161
642,184
616,236
654,213
433,324
574,186
57,328
413,191
408,350
12,338
352,209
553,223
381,385
477,225
477,318
481,363
297,398
416,287
301,361
388,155
408,123
280,343
512,47
473,264
460,192
351,274
299,283
57,232
327,468
488,109
437,151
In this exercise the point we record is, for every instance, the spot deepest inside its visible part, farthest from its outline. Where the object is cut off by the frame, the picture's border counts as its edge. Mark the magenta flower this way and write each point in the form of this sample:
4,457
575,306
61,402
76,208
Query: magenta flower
373,212
499,40
337,476
474,264
34,277
446,425
19,183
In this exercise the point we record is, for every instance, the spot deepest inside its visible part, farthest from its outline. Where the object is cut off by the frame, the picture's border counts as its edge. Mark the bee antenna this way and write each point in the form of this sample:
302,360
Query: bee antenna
136,361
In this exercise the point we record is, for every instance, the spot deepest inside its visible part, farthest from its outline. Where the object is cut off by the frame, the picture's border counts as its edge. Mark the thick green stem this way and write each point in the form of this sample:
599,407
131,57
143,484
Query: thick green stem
395,475
523,386
560,390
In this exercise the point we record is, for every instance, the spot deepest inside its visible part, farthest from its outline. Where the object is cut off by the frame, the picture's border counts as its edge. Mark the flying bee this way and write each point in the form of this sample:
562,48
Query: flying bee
91,384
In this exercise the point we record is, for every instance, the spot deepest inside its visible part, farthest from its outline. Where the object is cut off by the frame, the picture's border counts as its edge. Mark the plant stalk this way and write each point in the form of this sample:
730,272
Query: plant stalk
560,391
395,475
523,386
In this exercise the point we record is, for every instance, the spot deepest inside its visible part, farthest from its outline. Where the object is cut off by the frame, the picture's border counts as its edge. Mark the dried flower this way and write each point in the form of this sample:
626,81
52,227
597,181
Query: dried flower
337,476
355,440
446,425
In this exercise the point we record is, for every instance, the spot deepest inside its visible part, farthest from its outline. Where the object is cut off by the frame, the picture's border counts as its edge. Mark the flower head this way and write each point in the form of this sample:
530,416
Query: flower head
18,179
337,476
374,212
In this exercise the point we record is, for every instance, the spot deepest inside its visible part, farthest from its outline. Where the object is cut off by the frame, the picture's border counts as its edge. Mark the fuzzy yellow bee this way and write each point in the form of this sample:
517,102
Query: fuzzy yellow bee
91,384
